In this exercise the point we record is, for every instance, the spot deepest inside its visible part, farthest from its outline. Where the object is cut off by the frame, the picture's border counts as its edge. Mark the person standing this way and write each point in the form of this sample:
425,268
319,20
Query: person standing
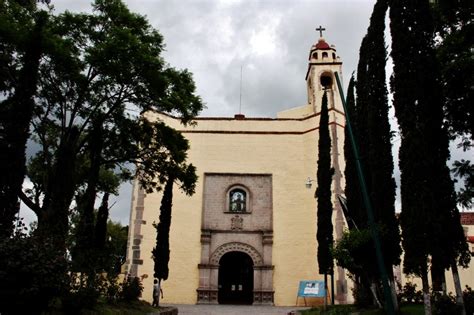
156,293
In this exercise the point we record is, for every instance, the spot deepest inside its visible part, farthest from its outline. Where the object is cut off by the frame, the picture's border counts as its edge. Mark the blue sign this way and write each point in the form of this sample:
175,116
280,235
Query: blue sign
311,288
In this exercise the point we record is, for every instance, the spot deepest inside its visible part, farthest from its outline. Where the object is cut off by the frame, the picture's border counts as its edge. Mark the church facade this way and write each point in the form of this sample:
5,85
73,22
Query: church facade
248,234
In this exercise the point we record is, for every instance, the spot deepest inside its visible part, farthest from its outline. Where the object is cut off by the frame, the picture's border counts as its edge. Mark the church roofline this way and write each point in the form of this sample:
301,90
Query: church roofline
258,132
253,118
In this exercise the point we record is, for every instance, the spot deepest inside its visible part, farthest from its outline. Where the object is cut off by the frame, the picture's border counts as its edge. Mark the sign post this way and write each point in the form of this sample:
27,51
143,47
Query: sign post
311,288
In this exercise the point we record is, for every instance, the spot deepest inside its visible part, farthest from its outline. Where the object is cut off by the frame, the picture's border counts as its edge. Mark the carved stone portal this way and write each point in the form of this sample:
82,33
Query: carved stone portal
223,232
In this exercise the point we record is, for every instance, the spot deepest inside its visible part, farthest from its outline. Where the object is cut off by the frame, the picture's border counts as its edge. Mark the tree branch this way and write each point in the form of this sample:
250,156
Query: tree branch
29,203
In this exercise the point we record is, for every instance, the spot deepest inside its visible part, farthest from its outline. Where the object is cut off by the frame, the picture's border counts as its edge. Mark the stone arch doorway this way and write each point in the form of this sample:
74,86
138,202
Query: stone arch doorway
235,279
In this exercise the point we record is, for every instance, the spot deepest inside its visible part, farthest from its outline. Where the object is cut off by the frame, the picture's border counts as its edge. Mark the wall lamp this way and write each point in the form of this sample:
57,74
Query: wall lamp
308,182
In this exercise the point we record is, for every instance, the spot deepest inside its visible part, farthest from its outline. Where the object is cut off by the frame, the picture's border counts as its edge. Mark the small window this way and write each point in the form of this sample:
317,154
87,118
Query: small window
237,200
325,55
315,55
333,56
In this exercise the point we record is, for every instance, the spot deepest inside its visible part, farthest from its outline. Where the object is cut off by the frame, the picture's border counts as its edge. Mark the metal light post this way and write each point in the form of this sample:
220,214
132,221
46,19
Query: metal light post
368,206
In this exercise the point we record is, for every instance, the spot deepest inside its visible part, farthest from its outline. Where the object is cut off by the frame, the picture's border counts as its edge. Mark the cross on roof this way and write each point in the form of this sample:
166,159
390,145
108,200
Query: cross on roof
320,29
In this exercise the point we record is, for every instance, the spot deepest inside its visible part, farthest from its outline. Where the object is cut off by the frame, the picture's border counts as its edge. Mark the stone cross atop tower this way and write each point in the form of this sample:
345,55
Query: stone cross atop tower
320,29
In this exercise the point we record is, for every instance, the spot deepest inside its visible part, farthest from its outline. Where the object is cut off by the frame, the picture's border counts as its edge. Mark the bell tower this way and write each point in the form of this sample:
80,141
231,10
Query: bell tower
323,62
320,78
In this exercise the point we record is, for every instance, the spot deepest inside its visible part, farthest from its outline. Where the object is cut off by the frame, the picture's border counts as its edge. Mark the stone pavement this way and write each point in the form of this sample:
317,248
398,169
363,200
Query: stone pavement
186,309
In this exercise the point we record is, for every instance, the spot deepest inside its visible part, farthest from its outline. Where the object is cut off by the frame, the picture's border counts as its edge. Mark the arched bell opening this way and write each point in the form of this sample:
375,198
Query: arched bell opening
326,80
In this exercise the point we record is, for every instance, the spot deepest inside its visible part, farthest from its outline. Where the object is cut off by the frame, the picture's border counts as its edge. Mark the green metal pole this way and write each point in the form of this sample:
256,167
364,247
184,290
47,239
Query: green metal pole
368,205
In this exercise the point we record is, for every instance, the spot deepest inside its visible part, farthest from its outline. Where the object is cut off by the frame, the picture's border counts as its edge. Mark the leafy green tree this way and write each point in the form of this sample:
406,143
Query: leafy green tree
97,89
324,175
465,170
454,36
429,219
85,121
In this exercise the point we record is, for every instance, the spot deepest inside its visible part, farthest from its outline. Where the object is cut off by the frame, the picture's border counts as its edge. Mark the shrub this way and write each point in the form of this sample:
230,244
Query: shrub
31,270
444,304
362,295
468,295
410,294
131,289
112,289
74,302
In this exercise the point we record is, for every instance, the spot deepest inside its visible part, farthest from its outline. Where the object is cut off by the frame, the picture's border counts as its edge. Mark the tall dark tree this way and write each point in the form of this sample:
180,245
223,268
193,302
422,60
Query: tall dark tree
372,131
161,253
353,192
429,219
22,35
352,242
380,179
356,210
325,172
186,176
381,183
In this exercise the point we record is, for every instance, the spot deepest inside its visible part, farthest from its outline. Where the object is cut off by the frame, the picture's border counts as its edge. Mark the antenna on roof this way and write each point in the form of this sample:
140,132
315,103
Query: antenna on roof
240,101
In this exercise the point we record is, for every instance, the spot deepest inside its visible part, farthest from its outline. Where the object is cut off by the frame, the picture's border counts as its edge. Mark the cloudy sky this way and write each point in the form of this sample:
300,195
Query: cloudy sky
269,39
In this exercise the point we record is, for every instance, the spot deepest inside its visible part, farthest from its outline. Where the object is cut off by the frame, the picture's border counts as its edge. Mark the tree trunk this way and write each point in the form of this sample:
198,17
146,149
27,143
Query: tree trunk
457,286
60,191
394,296
373,289
426,293
85,235
332,287
325,291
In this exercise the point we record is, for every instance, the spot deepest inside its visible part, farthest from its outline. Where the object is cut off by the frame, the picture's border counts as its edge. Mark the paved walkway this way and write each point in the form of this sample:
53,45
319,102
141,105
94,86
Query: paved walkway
186,309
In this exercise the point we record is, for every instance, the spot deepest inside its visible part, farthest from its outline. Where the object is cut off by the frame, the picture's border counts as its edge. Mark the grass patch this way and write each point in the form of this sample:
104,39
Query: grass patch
132,308
119,308
410,309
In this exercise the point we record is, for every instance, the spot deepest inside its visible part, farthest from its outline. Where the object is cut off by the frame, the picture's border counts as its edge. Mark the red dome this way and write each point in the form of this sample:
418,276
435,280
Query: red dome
322,44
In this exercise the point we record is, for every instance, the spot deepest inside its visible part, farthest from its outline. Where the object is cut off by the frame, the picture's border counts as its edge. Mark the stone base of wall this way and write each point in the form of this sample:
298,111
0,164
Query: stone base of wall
263,297
207,296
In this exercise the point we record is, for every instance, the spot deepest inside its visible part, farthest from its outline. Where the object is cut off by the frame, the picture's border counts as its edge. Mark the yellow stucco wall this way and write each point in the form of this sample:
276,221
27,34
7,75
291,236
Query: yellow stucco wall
284,148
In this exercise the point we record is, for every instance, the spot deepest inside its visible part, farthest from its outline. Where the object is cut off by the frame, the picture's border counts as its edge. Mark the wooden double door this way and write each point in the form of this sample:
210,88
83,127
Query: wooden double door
235,281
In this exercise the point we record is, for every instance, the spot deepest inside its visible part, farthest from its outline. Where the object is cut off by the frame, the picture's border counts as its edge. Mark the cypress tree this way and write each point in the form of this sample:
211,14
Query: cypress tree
429,219
379,150
354,203
324,234
161,253
372,131
352,190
